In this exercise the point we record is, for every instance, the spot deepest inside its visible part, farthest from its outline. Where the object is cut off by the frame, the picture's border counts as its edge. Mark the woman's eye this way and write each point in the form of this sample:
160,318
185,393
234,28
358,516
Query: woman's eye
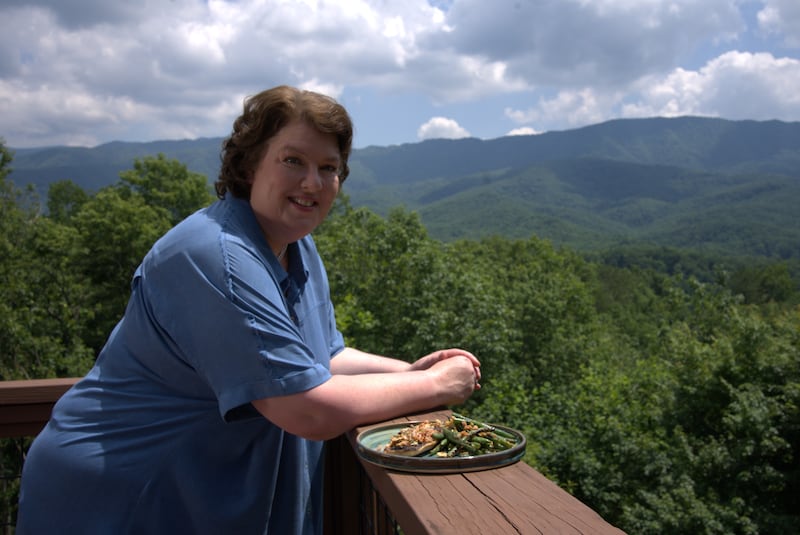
292,160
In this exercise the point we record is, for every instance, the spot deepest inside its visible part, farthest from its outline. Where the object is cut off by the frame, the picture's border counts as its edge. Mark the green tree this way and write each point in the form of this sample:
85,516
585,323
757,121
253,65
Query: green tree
522,307
116,231
64,200
167,184
764,284
369,261
696,432
5,159
42,296
119,224
43,308
45,305
662,402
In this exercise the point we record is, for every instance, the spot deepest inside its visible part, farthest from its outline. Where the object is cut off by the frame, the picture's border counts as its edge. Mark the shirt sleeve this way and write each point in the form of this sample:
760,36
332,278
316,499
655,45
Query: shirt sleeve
225,311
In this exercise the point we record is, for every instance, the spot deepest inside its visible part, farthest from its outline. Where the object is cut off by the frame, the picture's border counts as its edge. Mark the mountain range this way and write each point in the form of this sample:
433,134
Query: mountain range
706,184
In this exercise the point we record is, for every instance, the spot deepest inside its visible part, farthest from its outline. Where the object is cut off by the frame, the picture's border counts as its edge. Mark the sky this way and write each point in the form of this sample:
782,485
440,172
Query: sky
87,72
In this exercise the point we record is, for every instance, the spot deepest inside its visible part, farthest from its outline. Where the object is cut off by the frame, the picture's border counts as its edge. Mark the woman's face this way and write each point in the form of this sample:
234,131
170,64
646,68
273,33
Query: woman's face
295,182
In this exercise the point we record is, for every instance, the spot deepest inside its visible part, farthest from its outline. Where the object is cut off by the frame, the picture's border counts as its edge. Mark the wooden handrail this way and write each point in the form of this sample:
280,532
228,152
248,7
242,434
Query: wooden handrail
25,406
512,499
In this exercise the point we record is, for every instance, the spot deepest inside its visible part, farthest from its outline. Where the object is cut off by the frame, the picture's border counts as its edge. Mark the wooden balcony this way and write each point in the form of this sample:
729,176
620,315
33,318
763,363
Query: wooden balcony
362,498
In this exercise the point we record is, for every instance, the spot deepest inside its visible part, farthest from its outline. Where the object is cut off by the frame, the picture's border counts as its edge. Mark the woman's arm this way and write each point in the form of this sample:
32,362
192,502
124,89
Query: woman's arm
349,399
351,361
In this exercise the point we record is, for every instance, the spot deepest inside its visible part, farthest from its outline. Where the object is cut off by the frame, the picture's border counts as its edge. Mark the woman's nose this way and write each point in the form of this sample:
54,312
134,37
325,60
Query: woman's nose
312,181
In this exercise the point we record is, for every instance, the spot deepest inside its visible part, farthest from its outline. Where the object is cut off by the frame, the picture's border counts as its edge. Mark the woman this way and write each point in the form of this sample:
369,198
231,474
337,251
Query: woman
206,409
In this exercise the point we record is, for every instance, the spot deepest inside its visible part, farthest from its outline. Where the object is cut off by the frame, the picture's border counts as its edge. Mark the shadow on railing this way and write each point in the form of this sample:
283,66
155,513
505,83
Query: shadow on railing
360,498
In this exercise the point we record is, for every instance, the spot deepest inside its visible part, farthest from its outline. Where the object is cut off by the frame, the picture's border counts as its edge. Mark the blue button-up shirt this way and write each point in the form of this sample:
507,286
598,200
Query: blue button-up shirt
160,436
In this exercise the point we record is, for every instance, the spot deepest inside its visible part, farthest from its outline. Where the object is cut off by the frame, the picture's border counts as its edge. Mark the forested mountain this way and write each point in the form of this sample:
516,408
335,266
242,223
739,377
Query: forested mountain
724,187
93,168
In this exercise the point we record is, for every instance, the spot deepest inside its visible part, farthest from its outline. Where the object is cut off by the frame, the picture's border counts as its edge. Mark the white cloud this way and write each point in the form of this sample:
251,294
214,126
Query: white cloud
577,43
522,131
736,85
82,14
87,71
781,17
569,107
190,57
441,127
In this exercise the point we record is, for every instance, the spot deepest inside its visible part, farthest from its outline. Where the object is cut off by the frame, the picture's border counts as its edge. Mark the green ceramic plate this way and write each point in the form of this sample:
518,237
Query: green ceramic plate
370,444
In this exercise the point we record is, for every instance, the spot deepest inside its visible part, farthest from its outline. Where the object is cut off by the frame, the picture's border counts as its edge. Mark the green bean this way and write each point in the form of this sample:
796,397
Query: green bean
455,439
504,434
501,442
438,447
474,432
464,419
461,436
483,441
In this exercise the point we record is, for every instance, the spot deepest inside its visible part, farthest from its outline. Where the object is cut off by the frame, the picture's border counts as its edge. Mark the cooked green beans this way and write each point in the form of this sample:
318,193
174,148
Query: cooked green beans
461,436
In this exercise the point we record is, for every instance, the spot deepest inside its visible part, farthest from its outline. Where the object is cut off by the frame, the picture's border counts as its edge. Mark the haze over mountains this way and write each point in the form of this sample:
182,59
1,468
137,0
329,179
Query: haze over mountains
730,187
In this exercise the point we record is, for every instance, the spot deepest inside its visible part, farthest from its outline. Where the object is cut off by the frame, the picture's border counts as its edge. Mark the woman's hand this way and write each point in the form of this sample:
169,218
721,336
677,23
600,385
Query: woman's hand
432,359
455,378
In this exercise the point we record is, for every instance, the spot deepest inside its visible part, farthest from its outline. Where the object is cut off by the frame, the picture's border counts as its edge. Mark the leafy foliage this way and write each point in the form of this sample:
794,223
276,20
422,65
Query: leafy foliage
120,223
693,431
64,199
42,304
167,185
5,159
665,403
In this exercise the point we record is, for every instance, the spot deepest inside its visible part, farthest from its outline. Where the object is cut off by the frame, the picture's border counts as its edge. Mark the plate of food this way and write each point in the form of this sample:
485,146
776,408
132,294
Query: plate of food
457,444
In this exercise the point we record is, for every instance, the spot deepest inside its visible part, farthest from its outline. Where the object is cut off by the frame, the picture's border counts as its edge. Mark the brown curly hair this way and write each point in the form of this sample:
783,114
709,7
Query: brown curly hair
264,115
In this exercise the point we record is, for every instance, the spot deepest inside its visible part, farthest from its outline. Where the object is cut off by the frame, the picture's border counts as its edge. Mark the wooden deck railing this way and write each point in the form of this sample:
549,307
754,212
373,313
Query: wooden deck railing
25,406
362,498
